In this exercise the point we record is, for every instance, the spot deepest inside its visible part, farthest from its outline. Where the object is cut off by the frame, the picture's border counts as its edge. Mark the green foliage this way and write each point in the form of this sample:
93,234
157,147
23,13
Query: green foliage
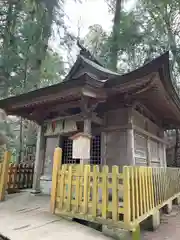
150,29
24,56
52,69
26,60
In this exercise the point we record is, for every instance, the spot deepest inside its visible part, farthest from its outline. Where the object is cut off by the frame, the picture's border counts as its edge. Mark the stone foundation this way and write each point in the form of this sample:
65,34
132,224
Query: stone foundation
168,207
45,184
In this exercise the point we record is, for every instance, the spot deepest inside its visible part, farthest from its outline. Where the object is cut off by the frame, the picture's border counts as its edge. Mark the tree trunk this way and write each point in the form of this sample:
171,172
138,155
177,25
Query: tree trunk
46,21
115,36
5,45
8,40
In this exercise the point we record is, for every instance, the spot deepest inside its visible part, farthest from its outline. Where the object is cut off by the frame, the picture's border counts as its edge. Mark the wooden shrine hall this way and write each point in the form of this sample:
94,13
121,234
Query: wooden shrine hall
124,115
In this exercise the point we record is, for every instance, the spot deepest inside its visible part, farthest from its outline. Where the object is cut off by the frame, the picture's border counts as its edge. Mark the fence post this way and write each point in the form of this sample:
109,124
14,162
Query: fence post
126,197
105,192
57,162
115,197
4,175
136,233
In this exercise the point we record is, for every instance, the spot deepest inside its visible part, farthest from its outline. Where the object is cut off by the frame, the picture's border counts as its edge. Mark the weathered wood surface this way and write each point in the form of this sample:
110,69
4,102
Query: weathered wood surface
20,176
26,216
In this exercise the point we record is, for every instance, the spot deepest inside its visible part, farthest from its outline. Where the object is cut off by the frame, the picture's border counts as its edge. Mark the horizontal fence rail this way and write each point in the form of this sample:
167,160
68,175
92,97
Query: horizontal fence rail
14,177
139,193
120,197
123,197
91,193
20,176
166,183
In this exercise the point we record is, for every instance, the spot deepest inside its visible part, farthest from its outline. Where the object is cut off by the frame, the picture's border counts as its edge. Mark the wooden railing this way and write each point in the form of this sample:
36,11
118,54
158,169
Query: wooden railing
166,183
120,198
20,176
90,193
138,193
150,189
4,165
14,177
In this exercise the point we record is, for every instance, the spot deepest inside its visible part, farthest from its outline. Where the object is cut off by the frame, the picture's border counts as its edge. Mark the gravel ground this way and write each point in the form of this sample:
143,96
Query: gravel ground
169,228
26,217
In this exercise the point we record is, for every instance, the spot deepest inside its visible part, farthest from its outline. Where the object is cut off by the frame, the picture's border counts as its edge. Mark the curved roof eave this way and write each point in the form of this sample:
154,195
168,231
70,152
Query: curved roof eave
166,79
99,68
148,68
159,65
83,65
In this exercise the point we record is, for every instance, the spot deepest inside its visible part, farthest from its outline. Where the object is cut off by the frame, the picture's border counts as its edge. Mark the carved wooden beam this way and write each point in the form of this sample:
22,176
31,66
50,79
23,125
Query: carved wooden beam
90,92
50,108
146,112
97,119
75,117
44,99
88,105
79,117
84,105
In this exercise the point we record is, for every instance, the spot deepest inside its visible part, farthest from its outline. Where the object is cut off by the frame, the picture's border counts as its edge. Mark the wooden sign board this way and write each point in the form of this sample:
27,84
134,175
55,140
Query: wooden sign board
81,146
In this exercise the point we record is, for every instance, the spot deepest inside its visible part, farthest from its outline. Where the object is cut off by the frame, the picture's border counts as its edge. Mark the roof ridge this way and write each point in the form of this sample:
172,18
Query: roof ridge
87,54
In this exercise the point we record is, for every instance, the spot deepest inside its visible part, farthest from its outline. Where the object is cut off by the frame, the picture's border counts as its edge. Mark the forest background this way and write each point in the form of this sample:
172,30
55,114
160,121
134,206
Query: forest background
38,45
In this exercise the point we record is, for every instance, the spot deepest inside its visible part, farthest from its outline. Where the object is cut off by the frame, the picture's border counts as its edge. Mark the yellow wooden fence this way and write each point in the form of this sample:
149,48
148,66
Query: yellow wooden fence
120,198
4,166
14,177
20,176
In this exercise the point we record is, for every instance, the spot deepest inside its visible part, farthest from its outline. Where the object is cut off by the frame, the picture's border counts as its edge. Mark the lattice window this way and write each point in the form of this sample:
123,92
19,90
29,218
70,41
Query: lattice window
95,151
67,152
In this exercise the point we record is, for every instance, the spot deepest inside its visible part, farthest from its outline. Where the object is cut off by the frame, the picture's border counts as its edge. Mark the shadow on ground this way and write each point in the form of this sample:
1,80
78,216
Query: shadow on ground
3,237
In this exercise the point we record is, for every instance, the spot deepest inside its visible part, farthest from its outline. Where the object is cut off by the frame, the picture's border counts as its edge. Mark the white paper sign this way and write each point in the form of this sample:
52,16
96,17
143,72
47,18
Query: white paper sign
81,148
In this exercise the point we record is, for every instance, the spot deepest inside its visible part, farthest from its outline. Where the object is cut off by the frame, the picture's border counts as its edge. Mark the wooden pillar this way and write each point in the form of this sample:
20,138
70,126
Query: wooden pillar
40,148
103,147
130,147
130,139
87,126
87,130
148,152
164,156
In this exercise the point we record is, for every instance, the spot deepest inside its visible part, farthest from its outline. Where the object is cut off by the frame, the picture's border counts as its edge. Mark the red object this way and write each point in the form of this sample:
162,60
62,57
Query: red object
53,125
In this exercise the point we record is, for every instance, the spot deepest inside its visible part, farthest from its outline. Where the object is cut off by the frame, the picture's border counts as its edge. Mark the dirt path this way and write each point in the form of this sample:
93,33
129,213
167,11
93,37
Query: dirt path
169,228
24,216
